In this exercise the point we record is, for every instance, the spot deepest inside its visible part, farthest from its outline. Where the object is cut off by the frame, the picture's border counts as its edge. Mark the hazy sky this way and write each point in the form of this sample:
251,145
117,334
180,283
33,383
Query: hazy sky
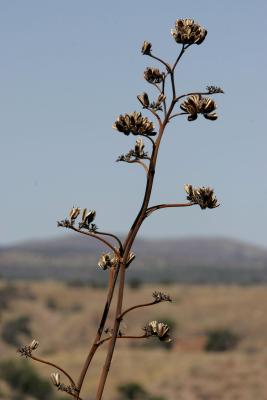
68,68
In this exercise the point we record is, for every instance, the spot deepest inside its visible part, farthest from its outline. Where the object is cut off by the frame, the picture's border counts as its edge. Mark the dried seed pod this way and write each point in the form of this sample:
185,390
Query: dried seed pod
55,378
34,344
144,99
134,123
139,148
146,48
74,212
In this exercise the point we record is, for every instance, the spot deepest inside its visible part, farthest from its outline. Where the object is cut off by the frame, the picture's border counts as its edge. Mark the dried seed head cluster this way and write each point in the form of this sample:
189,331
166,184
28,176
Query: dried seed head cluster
203,196
27,349
155,105
137,153
86,222
214,89
159,296
159,329
153,75
55,378
134,123
146,48
108,260
196,104
186,31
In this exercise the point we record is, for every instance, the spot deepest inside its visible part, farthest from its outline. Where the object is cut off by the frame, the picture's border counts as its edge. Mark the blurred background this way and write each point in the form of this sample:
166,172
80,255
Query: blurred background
67,70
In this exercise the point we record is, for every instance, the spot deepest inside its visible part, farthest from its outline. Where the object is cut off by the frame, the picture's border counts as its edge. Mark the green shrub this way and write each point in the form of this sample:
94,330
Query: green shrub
221,340
22,377
132,391
12,329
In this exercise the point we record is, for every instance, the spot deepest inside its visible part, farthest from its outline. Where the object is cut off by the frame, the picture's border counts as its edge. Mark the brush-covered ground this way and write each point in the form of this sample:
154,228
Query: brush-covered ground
64,318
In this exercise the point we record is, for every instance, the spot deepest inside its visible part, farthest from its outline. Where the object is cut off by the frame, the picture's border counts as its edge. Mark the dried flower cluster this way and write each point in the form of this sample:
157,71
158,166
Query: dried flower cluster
203,196
108,260
153,75
186,31
134,123
137,153
159,329
28,349
159,296
70,389
86,221
214,89
196,104
146,48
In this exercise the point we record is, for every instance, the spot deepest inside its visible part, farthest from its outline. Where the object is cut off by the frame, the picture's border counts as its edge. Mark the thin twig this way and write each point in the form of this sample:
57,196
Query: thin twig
176,205
161,61
113,236
138,162
94,235
55,366
138,306
122,337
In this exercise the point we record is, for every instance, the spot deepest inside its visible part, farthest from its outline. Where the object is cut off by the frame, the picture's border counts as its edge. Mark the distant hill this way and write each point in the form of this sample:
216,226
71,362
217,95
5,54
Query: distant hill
200,260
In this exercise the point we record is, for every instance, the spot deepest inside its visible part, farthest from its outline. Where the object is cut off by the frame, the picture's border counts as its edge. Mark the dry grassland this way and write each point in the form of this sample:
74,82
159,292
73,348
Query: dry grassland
64,320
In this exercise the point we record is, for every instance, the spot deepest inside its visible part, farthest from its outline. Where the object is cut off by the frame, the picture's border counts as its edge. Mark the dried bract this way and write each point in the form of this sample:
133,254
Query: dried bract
214,89
153,75
74,212
107,260
159,296
146,48
34,344
203,196
55,378
139,148
196,104
159,329
186,31
134,123
144,99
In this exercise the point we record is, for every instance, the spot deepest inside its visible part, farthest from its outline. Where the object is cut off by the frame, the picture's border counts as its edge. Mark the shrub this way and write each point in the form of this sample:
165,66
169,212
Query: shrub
14,328
22,376
221,340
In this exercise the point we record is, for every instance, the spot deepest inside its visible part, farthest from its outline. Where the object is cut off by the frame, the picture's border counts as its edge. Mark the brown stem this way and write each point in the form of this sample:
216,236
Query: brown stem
95,346
192,94
138,162
113,236
138,306
159,206
94,235
55,366
161,61
122,337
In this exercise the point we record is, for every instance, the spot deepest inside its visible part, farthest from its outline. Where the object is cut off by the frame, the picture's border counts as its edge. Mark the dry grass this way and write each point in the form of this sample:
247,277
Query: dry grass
186,372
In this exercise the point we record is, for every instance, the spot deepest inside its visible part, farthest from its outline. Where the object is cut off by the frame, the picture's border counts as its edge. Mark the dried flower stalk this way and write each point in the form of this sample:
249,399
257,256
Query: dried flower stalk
187,33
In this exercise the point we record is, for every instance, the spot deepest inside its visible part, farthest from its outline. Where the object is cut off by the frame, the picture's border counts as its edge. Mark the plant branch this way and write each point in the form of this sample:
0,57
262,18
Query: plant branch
122,337
134,307
159,206
138,162
161,61
55,366
113,236
94,235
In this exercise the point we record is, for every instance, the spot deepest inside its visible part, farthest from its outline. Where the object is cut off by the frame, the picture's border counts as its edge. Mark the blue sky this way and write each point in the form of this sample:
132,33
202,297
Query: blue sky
68,68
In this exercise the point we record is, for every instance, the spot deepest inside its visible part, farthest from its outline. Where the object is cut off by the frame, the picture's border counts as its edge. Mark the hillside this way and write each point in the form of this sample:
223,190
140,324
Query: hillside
204,260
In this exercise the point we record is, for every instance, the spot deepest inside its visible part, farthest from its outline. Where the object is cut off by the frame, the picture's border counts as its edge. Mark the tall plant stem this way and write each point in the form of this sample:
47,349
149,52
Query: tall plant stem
127,247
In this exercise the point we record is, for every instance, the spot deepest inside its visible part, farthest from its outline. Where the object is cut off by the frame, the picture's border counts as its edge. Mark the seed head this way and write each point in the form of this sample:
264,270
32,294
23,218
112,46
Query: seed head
139,148
203,196
74,212
107,260
134,123
186,31
196,104
159,296
159,329
34,344
146,48
153,75
144,99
